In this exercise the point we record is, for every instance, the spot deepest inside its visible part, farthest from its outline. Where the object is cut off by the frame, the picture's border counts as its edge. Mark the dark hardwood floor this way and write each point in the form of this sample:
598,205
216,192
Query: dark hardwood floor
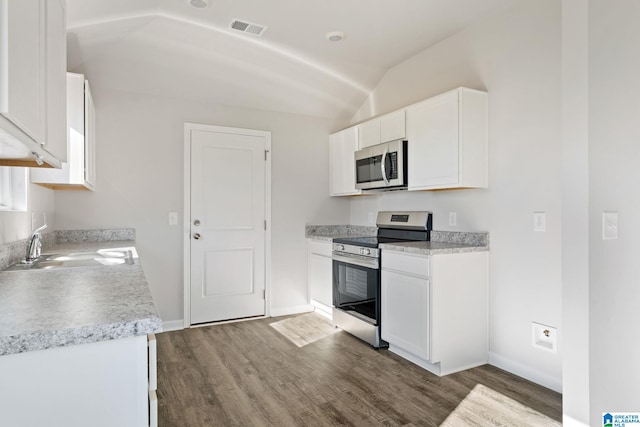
247,374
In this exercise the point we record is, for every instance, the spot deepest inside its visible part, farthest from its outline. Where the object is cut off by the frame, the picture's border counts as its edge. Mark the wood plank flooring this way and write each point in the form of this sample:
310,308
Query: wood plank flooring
247,374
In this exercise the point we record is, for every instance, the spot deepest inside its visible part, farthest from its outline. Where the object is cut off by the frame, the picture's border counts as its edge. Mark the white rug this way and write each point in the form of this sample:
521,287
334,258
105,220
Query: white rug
305,329
486,407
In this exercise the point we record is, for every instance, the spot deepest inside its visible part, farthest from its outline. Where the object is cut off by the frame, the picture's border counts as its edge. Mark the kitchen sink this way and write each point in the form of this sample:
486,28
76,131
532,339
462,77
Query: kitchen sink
117,256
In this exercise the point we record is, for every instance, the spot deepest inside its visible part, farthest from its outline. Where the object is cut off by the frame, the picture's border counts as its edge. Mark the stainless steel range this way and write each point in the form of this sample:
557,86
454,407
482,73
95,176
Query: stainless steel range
356,272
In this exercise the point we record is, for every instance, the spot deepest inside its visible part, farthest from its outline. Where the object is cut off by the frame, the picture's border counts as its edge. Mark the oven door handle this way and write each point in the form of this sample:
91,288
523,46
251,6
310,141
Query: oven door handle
356,260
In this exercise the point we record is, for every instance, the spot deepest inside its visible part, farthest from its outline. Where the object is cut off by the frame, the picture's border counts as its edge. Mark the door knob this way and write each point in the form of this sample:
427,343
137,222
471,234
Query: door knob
196,222
196,236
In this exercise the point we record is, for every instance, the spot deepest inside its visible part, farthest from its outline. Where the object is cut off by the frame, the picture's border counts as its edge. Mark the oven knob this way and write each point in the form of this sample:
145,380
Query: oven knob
340,247
365,251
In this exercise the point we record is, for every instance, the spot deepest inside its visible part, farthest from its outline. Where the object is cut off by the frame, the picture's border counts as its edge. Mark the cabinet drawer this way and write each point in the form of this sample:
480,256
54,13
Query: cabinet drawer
320,247
417,265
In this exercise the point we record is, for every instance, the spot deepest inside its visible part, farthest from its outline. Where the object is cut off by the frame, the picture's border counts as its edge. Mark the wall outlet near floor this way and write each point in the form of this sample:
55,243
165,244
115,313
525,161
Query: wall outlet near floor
453,219
544,337
539,221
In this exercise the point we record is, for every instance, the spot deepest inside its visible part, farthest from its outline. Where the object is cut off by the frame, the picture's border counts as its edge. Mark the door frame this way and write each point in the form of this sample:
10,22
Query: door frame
186,232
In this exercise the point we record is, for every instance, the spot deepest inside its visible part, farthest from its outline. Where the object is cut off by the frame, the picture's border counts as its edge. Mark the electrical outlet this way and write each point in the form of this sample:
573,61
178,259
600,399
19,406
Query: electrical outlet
371,218
173,218
544,337
539,221
453,219
609,225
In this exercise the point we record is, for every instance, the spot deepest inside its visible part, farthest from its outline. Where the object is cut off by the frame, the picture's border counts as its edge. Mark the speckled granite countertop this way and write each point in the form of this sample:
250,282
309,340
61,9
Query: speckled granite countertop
432,248
42,309
442,242
330,232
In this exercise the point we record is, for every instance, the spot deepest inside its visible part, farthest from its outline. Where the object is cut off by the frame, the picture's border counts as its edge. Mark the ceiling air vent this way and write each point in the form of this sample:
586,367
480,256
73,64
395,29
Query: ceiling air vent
248,27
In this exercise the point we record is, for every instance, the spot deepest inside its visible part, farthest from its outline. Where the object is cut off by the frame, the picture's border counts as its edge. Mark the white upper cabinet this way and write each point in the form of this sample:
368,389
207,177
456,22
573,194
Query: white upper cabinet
32,82
78,173
342,171
382,129
23,47
56,71
448,144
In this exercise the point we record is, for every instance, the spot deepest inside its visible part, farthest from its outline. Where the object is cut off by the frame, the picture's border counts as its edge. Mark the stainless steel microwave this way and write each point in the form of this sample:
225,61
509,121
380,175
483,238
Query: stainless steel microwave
382,166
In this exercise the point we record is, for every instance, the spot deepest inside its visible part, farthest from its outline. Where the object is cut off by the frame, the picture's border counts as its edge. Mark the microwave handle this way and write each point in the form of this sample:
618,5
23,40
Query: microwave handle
384,169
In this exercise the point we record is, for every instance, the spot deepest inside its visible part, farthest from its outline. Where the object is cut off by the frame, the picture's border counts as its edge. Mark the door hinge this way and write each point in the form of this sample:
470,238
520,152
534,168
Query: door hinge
265,154
265,225
264,294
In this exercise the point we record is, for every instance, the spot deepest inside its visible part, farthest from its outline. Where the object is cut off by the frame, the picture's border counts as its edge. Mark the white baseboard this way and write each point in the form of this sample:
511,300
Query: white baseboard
567,421
285,311
176,325
172,325
525,372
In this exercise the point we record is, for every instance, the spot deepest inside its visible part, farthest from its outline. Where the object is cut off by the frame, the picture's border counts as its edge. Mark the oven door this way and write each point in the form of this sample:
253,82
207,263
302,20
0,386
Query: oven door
356,285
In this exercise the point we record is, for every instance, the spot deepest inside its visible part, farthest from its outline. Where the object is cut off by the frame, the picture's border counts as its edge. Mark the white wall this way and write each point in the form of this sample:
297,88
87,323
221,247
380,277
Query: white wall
140,179
16,226
516,57
614,151
575,213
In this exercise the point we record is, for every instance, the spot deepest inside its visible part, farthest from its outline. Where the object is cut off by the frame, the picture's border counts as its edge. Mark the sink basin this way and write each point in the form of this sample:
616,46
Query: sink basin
117,256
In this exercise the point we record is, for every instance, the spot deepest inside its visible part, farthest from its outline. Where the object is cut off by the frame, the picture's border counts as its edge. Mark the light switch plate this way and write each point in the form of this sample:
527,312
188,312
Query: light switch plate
173,218
539,221
609,225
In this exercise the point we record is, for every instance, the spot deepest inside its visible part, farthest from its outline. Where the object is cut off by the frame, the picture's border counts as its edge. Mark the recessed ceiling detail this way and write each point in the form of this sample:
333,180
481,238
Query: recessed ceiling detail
200,4
335,36
247,27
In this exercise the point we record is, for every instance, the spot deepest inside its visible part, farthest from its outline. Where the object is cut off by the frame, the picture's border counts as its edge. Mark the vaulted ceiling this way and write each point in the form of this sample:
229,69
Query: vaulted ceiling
169,47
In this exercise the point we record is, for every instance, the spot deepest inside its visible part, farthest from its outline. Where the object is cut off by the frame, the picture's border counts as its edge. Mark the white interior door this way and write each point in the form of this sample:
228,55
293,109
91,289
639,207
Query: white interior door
227,223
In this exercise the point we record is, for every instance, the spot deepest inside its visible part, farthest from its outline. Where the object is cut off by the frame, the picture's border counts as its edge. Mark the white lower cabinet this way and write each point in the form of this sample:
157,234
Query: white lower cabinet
98,384
320,275
434,309
152,359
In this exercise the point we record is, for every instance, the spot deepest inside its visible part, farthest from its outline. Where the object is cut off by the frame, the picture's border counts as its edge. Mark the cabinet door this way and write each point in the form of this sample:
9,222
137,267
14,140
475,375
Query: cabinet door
369,133
320,272
392,126
56,80
22,68
342,170
89,138
405,312
320,287
433,134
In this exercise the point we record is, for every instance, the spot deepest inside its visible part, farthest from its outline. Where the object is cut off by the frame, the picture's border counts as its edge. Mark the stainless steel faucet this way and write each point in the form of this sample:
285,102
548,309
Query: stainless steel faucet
35,246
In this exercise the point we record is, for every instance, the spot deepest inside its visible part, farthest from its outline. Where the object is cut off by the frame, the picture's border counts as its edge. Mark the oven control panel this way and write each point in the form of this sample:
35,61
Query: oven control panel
356,250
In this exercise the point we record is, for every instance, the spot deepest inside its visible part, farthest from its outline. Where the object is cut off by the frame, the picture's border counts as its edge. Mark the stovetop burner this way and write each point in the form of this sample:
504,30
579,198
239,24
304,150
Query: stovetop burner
393,227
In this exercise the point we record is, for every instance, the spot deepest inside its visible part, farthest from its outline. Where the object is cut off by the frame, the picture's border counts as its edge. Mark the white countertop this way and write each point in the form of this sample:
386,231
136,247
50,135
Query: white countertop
41,309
